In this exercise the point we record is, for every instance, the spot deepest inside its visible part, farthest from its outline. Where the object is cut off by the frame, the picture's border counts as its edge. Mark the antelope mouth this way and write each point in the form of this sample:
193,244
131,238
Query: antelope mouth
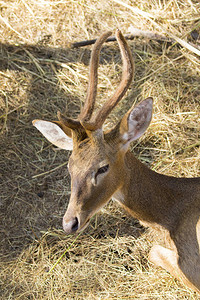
85,224
73,225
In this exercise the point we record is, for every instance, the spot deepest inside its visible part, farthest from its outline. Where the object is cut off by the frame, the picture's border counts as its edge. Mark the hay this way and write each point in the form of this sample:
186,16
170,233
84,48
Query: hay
40,75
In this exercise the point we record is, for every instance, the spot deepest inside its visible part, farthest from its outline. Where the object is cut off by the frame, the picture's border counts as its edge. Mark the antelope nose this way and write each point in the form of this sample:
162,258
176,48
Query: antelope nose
71,225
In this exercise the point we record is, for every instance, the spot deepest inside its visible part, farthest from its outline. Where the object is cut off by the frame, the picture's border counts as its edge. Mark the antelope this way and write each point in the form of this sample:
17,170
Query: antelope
102,167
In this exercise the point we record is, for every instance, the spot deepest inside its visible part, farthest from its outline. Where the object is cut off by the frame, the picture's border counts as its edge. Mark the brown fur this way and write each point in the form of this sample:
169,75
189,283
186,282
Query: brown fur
101,167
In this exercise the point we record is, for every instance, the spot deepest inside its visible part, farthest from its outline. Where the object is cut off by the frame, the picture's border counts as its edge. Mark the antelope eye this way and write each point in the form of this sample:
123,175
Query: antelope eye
102,170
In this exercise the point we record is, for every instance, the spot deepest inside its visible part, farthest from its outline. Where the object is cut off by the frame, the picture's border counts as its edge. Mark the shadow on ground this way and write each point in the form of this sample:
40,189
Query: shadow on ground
34,182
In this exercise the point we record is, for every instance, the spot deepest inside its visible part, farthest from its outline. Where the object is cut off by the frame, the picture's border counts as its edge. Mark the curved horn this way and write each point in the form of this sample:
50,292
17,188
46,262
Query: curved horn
88,108
127,76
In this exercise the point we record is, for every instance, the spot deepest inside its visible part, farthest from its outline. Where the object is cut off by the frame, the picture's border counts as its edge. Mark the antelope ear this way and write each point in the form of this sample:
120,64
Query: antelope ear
54,134
136,121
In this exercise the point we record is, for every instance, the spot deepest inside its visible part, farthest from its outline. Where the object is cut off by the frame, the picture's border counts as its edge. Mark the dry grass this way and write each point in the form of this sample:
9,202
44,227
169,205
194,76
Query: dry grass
40,75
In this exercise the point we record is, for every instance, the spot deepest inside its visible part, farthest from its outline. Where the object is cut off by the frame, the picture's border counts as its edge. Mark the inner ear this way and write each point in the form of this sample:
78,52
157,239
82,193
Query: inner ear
136,121
54,134
132,126
140,118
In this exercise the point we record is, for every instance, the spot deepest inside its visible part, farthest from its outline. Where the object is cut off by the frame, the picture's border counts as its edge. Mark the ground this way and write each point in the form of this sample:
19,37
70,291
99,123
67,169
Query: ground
39,75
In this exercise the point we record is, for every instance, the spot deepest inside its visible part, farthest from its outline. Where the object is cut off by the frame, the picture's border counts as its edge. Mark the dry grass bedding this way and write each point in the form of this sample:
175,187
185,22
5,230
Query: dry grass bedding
39,75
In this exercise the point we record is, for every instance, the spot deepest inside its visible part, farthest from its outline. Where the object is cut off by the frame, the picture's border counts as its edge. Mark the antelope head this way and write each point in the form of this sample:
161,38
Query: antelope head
96,164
